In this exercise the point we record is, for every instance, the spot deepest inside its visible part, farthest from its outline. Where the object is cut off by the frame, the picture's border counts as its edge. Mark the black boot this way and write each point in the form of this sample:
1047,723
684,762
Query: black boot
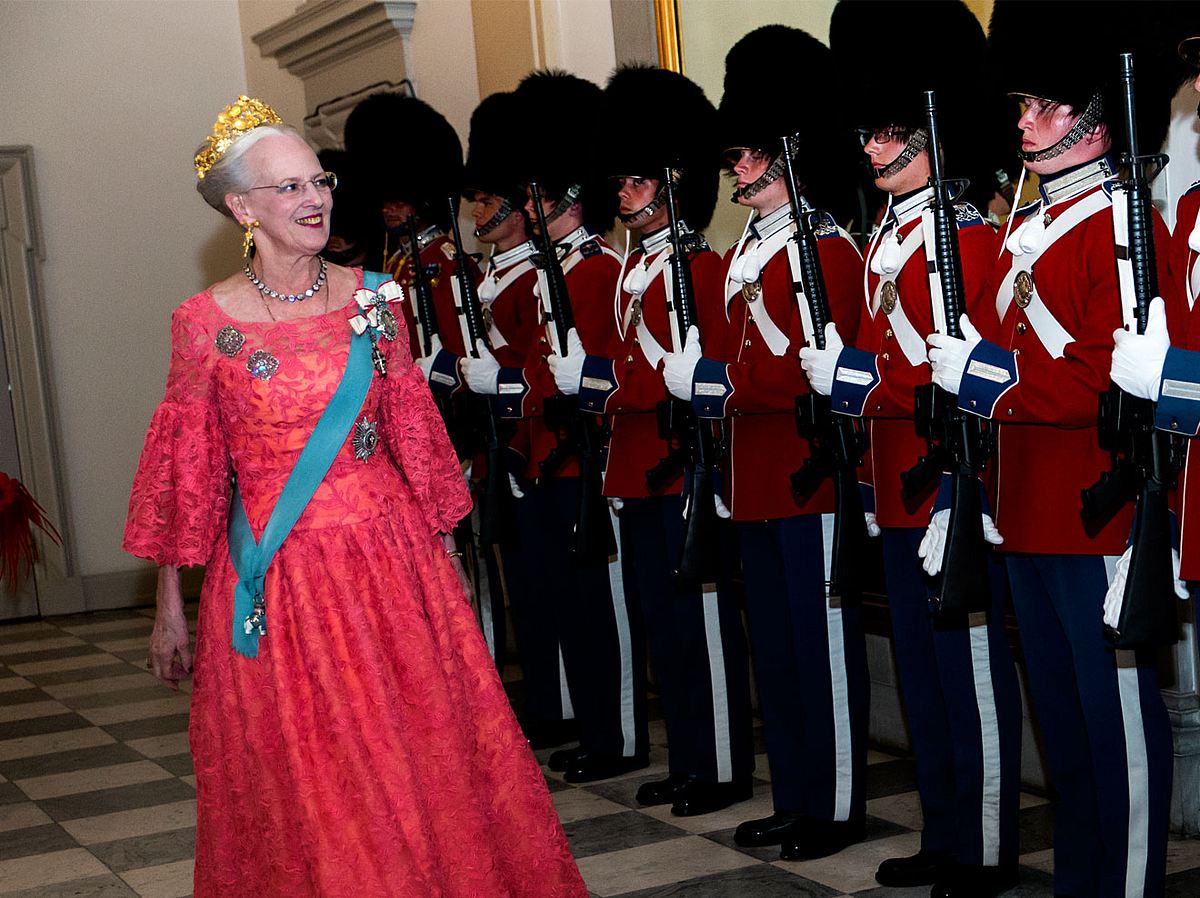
766,830
921,869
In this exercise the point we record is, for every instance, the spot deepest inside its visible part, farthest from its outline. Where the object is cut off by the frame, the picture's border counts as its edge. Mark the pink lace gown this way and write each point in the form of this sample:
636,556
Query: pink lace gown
369,750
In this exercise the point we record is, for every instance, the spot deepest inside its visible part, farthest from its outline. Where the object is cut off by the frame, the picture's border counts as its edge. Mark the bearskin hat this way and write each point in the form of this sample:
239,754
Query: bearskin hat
348,218
892,53
406,150
1084,59
492,162
560,117
751,116
656,118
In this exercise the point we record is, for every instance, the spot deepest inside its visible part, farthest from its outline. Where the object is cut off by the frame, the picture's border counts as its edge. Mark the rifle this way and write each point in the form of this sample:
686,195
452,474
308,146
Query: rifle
593,534
497,519
1144,460
958,440
700,553
838,441
422,295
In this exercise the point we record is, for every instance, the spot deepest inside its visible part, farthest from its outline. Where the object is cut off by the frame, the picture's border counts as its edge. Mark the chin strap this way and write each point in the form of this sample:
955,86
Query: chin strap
492,223
638,218
1086,124
917,142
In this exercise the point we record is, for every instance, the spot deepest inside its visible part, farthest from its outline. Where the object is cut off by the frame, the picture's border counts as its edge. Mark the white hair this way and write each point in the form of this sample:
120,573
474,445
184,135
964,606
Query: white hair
230,174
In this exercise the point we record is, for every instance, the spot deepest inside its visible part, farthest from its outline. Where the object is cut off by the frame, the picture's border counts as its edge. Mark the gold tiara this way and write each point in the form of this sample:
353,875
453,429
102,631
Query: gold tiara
237,119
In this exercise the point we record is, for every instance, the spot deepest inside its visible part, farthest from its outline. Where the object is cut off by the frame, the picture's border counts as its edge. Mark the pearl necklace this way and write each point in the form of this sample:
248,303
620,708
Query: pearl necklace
288,297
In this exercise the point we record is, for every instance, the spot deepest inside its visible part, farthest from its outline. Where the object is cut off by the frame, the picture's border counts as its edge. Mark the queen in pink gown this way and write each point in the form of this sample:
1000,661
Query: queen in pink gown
369,749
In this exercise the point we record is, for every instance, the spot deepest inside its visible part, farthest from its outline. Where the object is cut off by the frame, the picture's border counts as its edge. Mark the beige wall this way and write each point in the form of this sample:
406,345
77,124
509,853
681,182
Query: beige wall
114,97
265,78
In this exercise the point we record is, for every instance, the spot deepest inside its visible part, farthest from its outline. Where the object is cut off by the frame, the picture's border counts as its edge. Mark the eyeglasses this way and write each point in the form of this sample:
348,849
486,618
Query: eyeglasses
884,134
325,182
1037,105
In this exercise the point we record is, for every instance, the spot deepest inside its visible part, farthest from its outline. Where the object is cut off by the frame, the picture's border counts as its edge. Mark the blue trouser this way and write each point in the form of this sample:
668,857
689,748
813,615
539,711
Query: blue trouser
1105,729
696,645
605,669
531,599
811,666
963,708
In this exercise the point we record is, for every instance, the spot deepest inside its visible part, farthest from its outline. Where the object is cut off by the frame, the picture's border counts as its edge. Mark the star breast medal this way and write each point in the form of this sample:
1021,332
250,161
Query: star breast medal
365,439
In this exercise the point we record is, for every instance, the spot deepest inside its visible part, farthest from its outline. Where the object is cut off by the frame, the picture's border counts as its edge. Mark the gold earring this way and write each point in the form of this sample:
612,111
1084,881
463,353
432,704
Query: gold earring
248,238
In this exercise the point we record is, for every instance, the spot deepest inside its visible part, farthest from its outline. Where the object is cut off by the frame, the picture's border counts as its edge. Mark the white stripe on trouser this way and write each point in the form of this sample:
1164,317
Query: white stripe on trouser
625,645
564,689
840,689
1137,769
989,730
720,690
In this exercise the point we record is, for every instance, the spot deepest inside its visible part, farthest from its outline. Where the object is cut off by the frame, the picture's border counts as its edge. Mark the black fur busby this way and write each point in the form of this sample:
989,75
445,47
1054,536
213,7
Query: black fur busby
406,150
492,160
348,219
891,53
560,126
656,118
1060,51
756,111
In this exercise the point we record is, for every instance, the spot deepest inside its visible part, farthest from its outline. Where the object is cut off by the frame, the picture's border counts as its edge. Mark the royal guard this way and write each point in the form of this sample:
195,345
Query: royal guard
966,740
510,313
581,618
657,119
809,652
409,176
1036,363
1166,366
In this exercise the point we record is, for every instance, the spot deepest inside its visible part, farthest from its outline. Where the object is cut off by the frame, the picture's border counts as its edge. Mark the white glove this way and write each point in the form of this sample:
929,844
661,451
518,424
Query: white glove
481,373
616,504
933,543
426,363
679,368
517,492
820,364
568,369
948,358
872,524
723,511
1114,599
1137,359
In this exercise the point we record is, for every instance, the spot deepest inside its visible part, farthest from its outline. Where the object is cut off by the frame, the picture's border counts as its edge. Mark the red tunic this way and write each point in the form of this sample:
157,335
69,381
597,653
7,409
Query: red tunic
441,267
635,446
895,444
764,444
1048,440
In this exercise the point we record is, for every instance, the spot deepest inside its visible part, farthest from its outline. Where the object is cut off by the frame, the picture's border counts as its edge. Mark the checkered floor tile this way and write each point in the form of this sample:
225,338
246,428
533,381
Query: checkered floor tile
97,797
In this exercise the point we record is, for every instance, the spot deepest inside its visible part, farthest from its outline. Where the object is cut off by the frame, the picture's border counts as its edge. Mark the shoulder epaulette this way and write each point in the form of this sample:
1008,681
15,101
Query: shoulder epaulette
824,226
448,249
967,215
590,248
1109,186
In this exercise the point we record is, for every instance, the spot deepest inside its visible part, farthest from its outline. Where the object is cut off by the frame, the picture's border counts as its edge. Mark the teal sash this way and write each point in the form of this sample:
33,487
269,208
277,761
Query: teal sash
251,559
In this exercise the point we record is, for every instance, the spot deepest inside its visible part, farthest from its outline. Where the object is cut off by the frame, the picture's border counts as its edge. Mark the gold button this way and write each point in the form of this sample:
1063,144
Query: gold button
747,344
750,319
972,403
879,408
1174,425
887,334
542,340
886,356
637,341
1009,412
845,404
1021,328
628,359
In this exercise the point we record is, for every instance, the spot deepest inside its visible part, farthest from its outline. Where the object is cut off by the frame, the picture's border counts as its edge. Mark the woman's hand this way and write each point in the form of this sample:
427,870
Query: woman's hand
456,562
170,644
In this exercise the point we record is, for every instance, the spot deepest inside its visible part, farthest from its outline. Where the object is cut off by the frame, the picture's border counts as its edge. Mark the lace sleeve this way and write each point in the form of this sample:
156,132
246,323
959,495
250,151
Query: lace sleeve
180,496
416,438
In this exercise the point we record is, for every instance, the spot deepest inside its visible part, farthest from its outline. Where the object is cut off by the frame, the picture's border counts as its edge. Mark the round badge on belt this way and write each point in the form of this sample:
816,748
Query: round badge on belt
888,296
1023,289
